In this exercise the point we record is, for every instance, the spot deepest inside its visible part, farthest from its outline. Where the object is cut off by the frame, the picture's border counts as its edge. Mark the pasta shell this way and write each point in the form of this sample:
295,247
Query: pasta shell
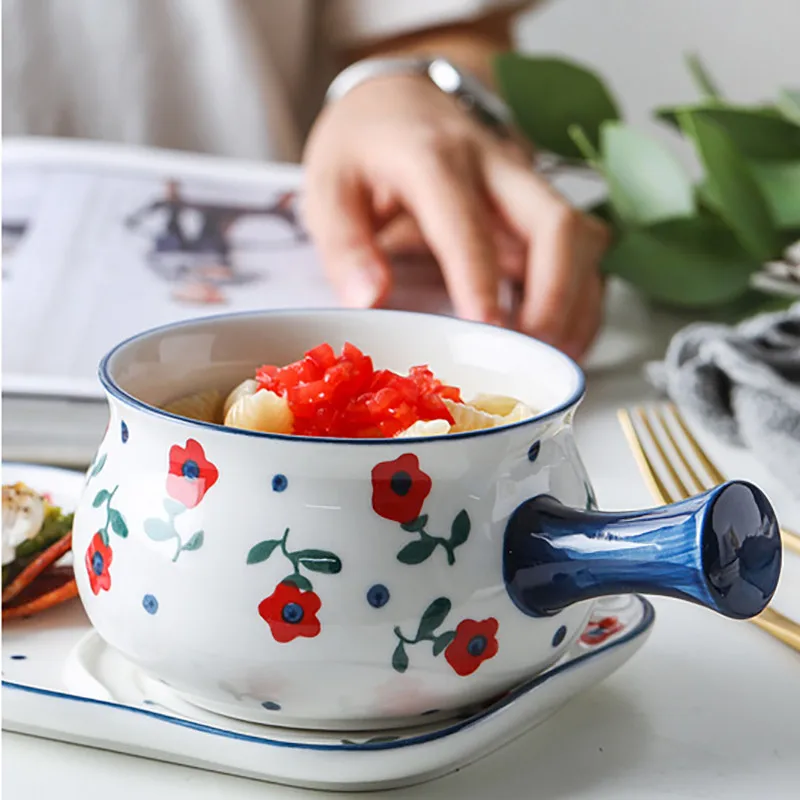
518,413
263,411
494,404
468,418
432,427
249,386
202,406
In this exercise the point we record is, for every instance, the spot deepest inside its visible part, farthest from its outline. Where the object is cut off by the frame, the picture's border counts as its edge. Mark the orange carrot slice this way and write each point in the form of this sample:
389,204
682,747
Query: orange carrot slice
37,566
53,598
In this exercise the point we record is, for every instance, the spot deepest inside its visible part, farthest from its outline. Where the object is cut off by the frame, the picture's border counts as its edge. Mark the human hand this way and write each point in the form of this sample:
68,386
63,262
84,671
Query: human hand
396,157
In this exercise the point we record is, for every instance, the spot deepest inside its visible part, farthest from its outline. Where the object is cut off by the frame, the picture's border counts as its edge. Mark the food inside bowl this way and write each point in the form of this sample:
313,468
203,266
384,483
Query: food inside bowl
344,396
36,536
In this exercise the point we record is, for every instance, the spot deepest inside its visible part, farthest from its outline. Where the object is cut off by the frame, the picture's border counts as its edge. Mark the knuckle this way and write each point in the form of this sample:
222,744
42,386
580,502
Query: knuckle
442,143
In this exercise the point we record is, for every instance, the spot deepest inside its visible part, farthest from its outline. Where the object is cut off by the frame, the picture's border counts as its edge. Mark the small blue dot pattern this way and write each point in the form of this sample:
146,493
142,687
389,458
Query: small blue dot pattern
271,706
559,635
150,604
378,595
533,451
279,483
124,433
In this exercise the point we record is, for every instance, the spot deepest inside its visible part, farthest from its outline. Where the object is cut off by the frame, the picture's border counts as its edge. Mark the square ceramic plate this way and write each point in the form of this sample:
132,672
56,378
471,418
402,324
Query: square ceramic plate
61,681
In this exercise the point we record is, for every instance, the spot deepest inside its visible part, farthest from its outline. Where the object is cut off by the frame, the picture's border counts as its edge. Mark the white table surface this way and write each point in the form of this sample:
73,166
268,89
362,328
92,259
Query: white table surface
710,708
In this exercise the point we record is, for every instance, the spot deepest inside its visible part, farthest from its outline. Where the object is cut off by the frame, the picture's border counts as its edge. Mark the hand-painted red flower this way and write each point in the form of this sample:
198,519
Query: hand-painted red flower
474,643
191,474
598,630
291,612
399,488
98,560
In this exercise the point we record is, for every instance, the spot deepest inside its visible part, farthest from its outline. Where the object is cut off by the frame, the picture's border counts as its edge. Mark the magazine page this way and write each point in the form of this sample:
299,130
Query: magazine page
102,242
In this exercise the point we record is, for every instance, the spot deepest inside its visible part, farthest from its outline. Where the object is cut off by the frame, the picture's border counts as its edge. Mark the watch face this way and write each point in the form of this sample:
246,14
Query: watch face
446,76
473,94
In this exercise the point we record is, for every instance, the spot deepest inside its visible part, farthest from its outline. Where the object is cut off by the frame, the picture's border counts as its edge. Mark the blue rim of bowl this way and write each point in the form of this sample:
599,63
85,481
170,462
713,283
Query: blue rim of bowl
638,629
114,390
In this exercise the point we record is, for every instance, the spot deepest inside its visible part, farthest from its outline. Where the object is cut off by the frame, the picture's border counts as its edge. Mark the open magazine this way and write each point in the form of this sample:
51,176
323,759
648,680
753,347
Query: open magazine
101,242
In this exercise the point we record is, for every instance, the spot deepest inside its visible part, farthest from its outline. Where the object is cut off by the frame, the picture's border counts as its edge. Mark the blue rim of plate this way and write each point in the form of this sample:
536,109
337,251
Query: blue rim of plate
641,627
115,391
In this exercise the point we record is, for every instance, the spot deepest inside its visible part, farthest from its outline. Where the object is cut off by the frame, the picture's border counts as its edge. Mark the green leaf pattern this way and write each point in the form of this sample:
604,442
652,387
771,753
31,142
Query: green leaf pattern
432,618
164,530
115,522
422,549
320,561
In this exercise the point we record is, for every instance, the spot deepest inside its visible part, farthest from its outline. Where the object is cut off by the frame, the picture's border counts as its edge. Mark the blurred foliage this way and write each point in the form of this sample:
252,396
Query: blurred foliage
687,245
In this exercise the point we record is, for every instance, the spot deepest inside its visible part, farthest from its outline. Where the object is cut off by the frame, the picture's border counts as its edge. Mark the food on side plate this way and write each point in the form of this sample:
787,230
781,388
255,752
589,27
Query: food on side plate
36,534
344,396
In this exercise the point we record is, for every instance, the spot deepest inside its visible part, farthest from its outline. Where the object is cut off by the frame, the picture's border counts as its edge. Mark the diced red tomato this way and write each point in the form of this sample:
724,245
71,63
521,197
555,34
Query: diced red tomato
346,397
323,356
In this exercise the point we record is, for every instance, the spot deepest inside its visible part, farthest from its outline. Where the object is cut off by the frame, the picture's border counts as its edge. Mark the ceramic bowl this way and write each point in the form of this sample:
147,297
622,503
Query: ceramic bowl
349,584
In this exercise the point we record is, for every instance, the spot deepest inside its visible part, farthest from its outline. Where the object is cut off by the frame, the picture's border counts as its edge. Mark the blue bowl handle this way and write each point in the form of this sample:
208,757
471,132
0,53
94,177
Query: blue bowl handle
721,549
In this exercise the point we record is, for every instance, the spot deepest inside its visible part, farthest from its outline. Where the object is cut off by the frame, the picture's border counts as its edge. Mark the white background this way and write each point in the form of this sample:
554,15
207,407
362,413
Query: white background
752,47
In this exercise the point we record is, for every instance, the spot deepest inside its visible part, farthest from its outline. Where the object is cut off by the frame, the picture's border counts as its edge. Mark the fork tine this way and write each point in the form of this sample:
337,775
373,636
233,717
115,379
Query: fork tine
781,627
707,463
770,621
699,484
646,467
683,490
791,541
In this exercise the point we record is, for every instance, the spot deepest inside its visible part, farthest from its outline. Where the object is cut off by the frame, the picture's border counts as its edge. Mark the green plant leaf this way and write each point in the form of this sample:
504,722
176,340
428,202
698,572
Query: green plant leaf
646,182
761,133
779,182
173,507
703,80
262,551
400,658
440,643
459,530
416,524
98,467
100,498
300,581
195,541
587,148
433,617
417,551
789,104
729,177
603,211
693,263
320,561
117,523
158,530
547,95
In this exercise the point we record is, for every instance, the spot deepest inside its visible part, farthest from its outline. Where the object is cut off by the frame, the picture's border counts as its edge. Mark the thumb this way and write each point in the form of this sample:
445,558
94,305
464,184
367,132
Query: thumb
340,222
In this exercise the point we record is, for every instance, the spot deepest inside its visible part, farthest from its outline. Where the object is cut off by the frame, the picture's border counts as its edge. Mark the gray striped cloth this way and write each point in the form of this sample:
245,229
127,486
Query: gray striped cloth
743,382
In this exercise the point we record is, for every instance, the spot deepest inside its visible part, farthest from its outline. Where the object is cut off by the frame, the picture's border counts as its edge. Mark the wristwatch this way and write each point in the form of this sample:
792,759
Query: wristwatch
466,88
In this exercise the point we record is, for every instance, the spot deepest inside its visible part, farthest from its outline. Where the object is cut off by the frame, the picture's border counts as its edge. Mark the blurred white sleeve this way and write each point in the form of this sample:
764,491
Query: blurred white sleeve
354,22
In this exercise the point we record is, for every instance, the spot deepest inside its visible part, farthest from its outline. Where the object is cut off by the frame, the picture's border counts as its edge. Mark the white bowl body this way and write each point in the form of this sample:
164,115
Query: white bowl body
181,545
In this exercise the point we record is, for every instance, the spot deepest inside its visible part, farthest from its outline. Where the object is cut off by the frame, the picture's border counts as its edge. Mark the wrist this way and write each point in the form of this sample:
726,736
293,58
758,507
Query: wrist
440,73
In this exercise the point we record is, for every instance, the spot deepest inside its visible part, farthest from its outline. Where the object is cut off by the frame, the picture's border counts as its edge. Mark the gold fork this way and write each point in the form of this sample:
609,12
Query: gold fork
661,424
